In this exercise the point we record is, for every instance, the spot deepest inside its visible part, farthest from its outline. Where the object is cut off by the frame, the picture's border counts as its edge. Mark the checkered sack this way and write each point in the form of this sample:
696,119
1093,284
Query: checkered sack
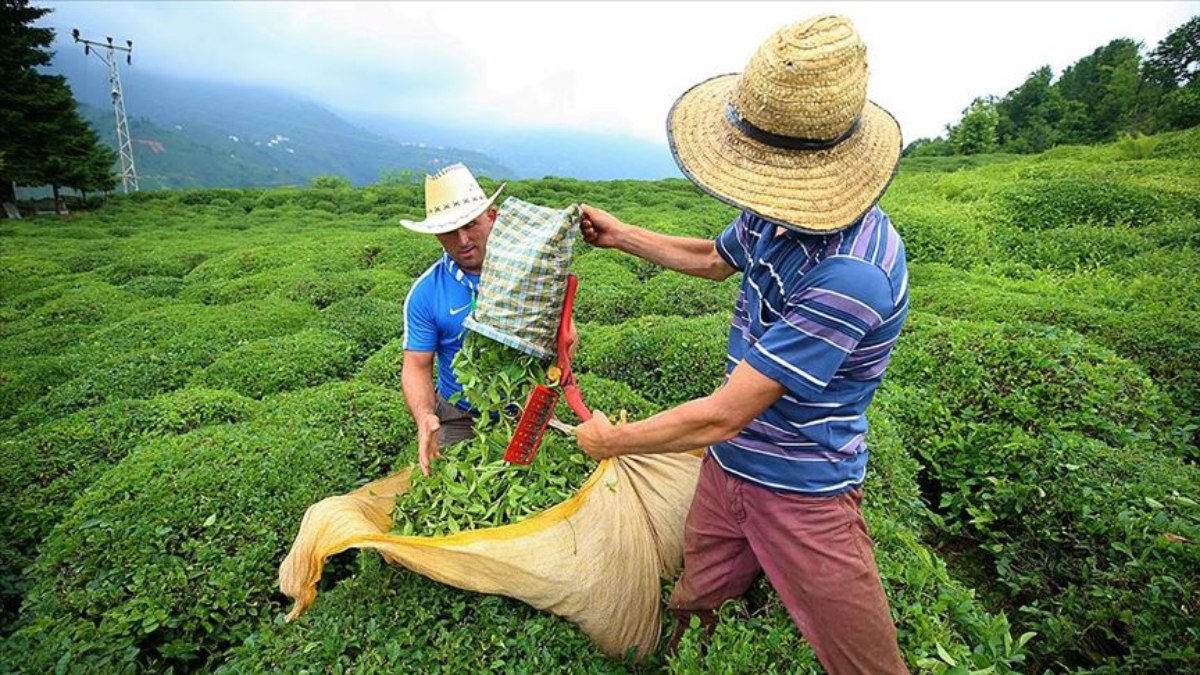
525,276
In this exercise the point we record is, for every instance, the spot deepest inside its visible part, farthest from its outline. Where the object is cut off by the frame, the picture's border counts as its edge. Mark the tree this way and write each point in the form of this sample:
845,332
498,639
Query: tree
1106,83
45,140
1172,70
1175,62
1028,115
331,182
928,147
976,133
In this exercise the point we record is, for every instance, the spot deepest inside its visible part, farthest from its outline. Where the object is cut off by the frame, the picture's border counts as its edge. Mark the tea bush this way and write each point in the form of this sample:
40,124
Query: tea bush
1114,312
154,286
300,283
24,380
675,294
608,292
271,365
389,619
384,366
1045,452
369,322
667,359
171,558
49,341
1063,202
158,351
44,469
1059,470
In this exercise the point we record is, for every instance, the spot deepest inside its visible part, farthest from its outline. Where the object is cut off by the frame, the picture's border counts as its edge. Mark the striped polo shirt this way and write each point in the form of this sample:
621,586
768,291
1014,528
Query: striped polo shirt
819,314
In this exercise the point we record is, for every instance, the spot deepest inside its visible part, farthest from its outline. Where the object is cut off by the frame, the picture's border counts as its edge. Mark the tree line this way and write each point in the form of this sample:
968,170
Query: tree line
45,141
1112,92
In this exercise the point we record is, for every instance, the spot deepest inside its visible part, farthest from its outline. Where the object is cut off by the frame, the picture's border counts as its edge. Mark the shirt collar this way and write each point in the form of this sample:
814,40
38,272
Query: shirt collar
468,280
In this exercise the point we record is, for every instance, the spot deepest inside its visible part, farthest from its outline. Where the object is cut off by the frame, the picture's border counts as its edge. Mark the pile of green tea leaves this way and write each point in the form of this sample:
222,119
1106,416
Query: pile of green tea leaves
471,486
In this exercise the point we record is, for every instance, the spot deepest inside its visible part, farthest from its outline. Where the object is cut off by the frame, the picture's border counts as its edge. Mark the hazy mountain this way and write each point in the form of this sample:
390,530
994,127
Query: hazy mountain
255,134
535,153
271,137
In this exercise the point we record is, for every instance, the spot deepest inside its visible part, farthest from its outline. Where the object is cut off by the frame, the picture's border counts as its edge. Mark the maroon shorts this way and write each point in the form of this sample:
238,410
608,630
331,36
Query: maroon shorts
814,550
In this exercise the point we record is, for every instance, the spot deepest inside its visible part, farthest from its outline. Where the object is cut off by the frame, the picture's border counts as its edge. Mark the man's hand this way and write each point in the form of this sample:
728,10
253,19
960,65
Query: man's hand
599,227
428,448
593,435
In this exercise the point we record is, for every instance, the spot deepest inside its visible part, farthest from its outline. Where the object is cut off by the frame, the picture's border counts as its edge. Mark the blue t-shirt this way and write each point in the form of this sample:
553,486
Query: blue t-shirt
438,302
819,314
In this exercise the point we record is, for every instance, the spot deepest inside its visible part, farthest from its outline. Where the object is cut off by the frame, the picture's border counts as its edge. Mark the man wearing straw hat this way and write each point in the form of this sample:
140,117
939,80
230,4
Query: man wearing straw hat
795,144
461,215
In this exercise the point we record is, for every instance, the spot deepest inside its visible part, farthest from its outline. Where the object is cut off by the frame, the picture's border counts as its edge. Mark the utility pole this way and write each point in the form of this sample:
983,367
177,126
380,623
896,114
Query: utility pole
129,180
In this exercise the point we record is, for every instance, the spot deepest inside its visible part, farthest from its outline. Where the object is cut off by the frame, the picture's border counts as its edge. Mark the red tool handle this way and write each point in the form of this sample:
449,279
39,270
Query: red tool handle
567,379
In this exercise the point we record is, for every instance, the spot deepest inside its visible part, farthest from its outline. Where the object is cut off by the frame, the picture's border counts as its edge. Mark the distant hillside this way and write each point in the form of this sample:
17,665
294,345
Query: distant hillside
170,157
537,153
248,136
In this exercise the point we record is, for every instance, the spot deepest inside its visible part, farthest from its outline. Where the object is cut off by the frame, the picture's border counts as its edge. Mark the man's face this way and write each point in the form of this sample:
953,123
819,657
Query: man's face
467,245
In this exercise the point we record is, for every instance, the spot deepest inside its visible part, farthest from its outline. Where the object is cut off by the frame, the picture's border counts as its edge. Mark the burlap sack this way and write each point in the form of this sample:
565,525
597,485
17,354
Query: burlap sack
595,559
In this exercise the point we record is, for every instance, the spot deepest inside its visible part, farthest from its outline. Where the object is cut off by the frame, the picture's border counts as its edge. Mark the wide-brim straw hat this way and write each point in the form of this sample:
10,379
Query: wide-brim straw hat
793,137
453,198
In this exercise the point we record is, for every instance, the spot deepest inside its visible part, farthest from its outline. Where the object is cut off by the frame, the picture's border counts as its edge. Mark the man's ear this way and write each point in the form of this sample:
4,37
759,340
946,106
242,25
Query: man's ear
492,213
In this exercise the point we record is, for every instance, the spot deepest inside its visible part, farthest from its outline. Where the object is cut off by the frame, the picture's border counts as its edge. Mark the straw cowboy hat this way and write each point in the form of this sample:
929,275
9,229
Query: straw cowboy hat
792,138
453,198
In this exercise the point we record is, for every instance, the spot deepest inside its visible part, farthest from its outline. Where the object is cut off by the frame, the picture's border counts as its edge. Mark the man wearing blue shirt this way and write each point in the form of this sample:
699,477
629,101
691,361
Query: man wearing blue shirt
461,215
795,144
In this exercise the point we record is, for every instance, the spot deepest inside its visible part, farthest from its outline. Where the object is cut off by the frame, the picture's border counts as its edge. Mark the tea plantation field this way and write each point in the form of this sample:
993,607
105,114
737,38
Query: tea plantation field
184,373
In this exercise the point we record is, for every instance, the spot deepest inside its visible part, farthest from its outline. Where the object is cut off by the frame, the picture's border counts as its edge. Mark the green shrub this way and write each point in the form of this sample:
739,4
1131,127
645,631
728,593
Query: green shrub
171,558
155,286
152,260
608,291
198,334
384,366
667,359
1136,147
1043,454
44,469
88,301
676,294
408,253
48,341
369,322
24,380
275,364
1085,246
294,282
1030,377
1116,313
1063,202
942,231
387,619
157,351
1182,145
609,397
212,196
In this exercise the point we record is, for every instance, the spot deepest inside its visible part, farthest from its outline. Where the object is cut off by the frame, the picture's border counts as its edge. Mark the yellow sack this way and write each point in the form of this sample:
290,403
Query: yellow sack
595,559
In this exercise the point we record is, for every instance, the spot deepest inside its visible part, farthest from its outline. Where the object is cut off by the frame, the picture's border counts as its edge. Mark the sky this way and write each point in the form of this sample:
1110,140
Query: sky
599,66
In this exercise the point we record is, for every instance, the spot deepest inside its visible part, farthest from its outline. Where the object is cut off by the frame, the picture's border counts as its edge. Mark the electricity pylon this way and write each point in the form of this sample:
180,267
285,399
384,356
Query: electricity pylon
106,52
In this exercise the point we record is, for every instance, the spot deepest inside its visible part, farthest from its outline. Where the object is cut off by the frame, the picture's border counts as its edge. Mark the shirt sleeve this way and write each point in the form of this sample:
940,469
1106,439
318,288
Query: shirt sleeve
733,244
420,326
842,301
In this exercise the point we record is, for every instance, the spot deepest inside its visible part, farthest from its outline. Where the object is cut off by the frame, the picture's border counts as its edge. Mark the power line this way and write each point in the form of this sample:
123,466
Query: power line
106,52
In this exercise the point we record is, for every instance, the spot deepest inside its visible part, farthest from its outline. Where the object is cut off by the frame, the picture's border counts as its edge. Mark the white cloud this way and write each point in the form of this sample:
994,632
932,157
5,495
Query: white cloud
611,66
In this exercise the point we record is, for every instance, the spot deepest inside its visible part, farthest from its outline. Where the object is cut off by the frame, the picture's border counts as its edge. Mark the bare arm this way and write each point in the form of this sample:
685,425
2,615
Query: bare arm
697,257
695,424
416,378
